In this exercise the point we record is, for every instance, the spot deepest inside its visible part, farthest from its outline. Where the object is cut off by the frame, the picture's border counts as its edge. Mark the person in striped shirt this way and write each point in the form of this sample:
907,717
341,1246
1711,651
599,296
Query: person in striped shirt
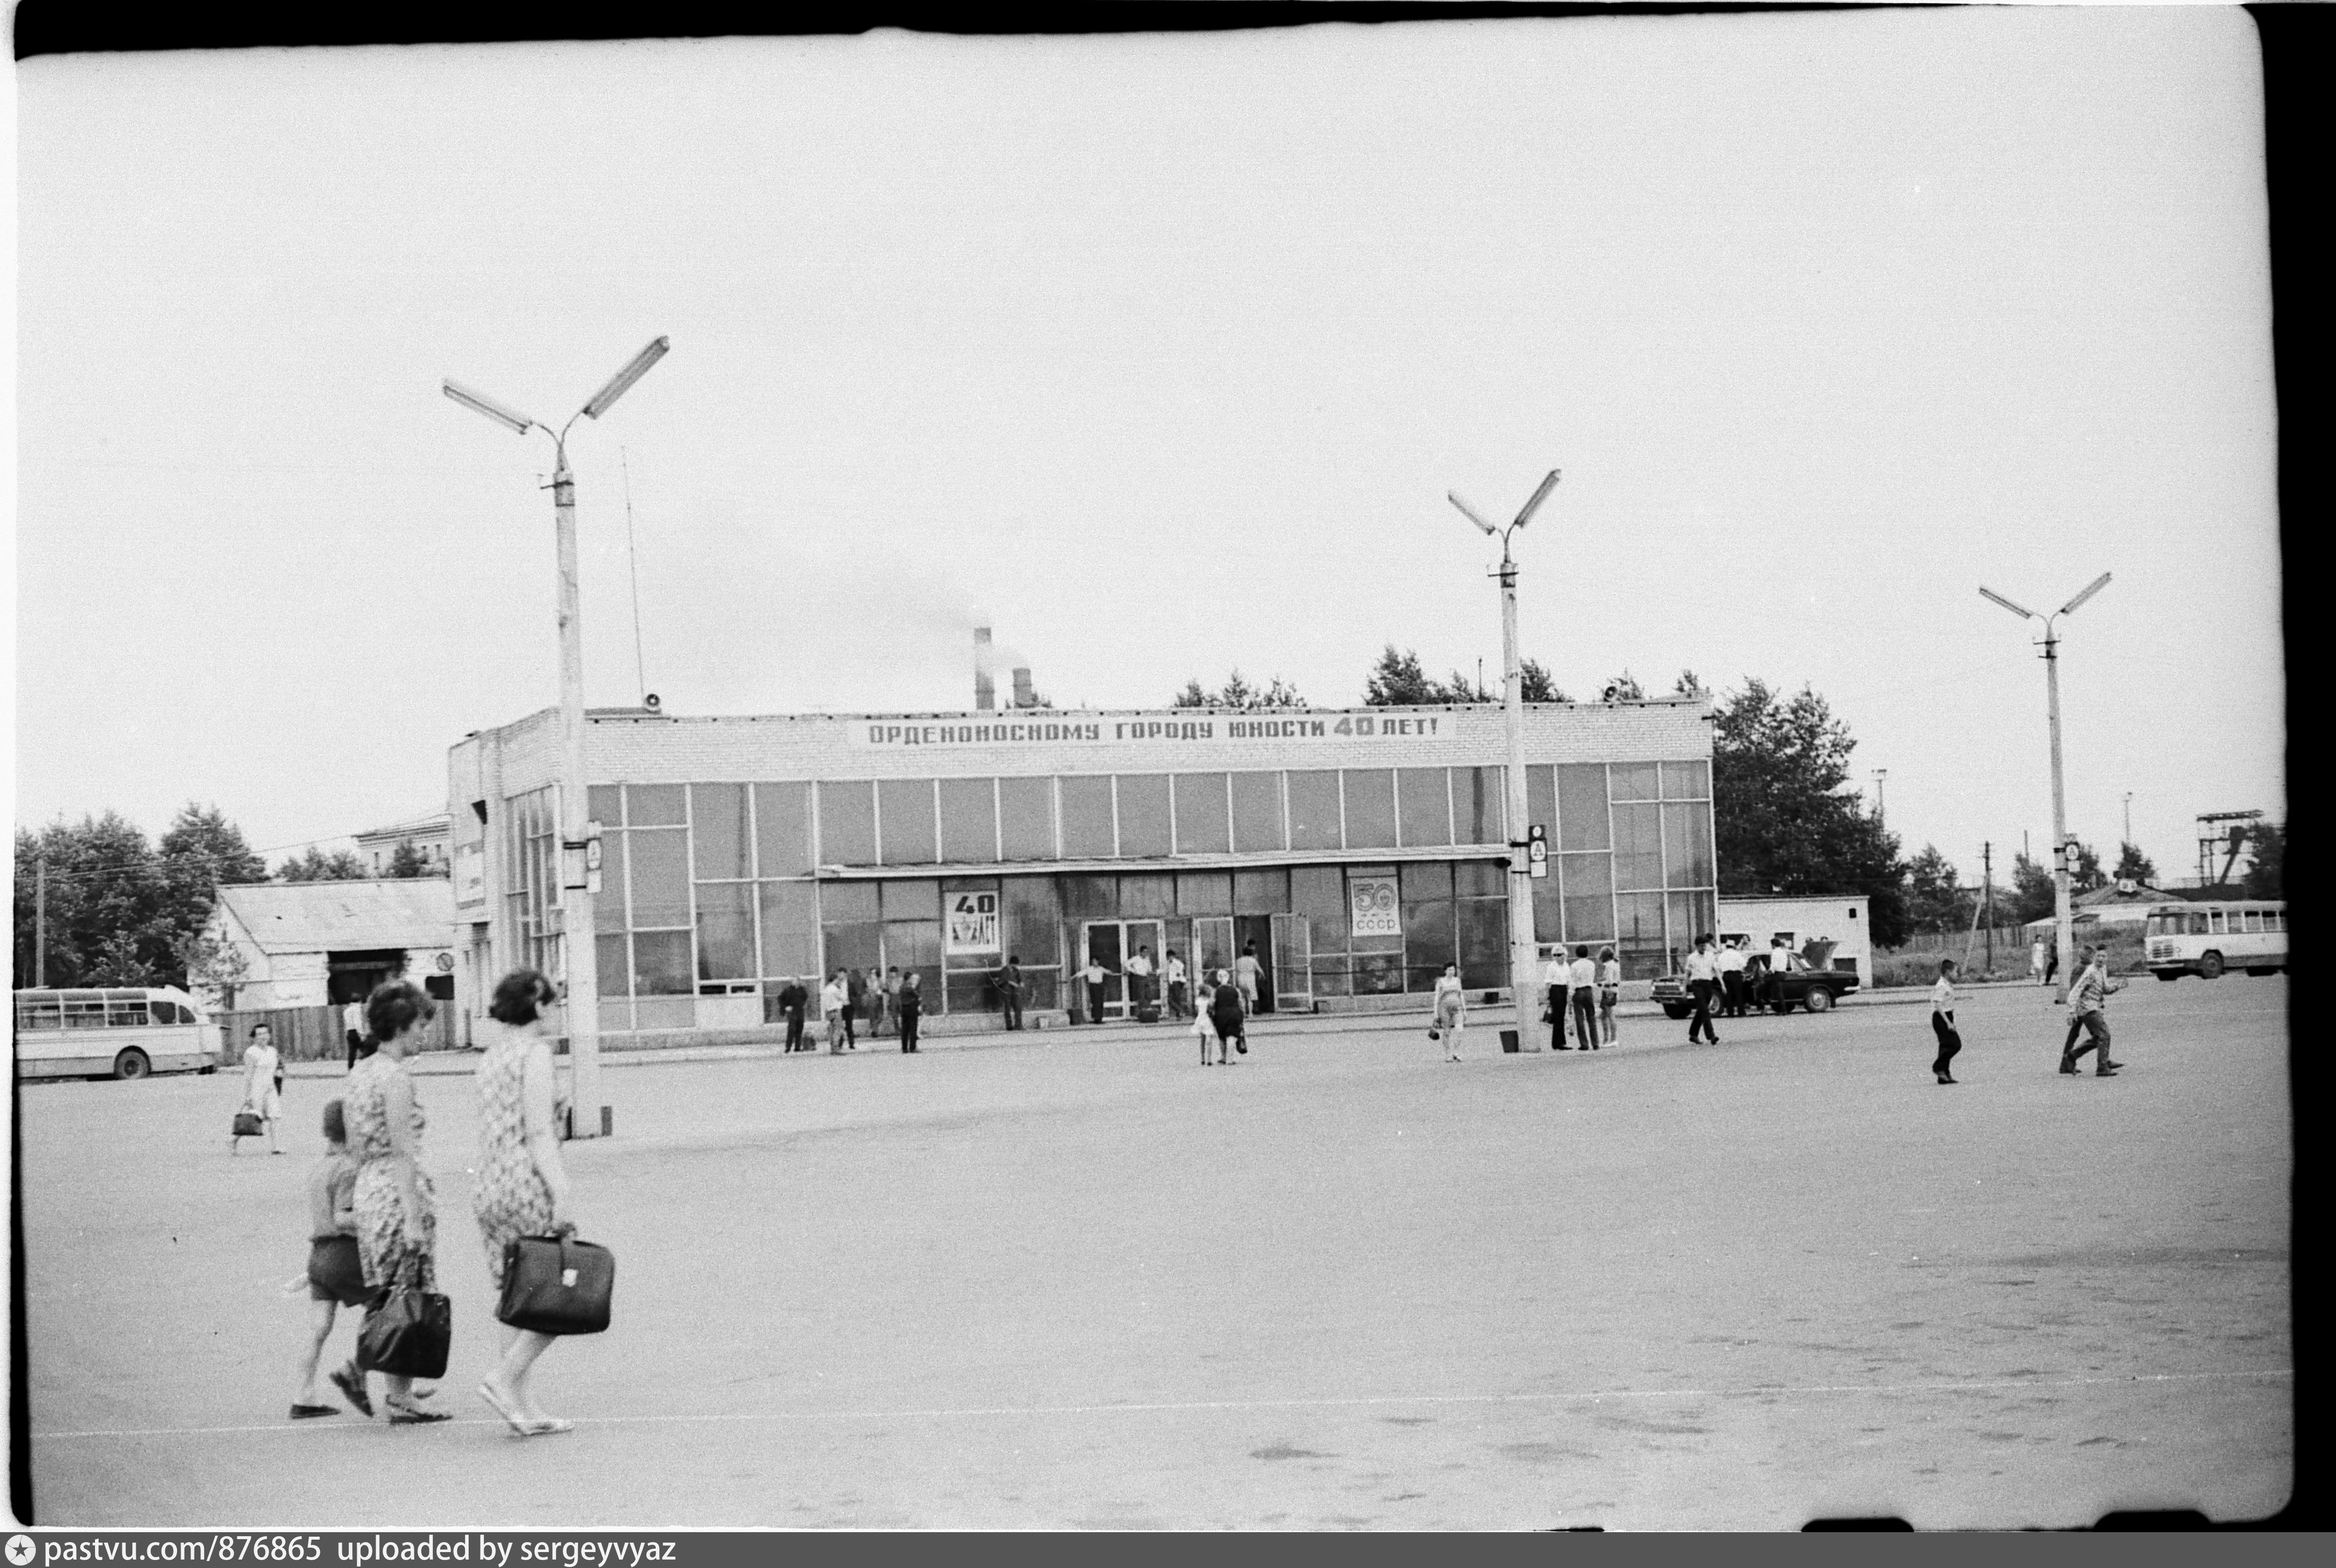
1942,1020
2087,1007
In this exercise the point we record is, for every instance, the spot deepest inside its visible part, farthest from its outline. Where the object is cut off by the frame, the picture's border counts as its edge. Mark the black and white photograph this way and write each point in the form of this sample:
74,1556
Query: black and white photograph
1561,734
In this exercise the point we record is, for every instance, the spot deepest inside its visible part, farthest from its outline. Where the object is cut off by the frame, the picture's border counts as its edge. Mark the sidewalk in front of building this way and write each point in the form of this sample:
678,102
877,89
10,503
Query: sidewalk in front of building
1500,1015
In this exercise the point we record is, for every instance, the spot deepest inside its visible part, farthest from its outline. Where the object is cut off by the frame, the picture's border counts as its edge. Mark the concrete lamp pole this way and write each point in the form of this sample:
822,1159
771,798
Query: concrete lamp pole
1523,966
2064,931
579,834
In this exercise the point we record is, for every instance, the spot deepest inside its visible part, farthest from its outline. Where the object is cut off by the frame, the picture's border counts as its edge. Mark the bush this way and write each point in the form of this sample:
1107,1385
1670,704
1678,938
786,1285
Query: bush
1918,963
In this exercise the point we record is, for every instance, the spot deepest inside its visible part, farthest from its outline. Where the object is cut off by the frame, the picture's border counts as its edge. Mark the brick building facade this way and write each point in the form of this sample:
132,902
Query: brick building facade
1359,851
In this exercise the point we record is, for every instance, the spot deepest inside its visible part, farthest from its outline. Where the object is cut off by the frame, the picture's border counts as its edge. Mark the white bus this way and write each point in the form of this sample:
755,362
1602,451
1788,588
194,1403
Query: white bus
2206,938
117,1033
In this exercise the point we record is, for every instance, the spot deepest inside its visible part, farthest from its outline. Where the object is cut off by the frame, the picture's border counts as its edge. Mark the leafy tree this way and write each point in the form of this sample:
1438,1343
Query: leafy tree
1538,686
2032,895
214,969
405,861
317,866
1239,693
2133,863
1936,902
1687,685
1396,680
2086,875
1787,820
108,915
2267,872
1624,687
202,835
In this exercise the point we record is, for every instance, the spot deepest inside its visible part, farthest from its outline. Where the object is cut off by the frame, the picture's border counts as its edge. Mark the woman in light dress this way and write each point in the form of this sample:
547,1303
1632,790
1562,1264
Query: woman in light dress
1451,1011
397,1207
523,1185
263,1069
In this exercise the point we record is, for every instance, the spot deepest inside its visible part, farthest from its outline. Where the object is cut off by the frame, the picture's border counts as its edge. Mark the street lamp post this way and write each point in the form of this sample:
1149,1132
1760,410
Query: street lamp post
2063,930
579,834
1880,814
1524,970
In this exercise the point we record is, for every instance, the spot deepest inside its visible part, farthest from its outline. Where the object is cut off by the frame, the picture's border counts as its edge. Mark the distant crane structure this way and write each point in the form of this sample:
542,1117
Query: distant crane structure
2222,834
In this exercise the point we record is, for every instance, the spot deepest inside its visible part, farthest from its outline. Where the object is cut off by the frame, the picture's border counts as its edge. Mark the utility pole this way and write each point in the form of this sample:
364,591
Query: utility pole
1524,955
1880,814
2129,816
41,924
1987,897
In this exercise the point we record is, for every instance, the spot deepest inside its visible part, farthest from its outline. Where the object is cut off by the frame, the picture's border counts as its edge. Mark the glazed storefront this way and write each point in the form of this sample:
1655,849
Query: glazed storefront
1359,852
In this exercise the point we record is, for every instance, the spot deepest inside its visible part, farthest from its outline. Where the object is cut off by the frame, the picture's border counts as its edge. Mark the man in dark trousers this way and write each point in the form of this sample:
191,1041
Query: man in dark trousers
2088,1009
1009,991
912,1005
1942,1022
1557,976
792,1000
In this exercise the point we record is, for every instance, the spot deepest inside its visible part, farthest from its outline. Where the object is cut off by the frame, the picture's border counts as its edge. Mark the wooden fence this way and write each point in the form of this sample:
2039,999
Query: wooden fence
313,1034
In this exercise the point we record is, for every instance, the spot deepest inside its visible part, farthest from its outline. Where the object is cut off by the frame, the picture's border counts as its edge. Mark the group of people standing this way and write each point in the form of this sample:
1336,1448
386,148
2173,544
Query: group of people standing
1585,989
373,1209
1246,978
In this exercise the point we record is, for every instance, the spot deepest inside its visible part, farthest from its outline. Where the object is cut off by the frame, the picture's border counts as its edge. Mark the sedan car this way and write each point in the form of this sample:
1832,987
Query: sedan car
1815,991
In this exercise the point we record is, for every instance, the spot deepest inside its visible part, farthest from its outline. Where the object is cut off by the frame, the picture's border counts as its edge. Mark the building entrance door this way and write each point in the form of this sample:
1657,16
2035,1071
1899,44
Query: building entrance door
1212,949
1258,932
1111,943
1293,964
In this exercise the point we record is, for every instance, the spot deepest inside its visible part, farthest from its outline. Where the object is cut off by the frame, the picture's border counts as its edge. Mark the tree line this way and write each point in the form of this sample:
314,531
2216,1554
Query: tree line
122,912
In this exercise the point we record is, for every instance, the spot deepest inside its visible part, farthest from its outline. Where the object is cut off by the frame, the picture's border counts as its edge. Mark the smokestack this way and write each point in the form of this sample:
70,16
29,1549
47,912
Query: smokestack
985,685
1022,697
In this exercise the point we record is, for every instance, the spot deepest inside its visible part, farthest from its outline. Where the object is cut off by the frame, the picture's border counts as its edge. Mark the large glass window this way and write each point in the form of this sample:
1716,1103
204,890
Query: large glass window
1086,818
1686,845
1477,806
1589,892
1427,879
840,902
1257,812
615,957
608,909
1200,819
1090,898
789,929
904,819
1632,781
1204,893
725,931
1313,811
1143,814
721,837
1034,921
1319,893
606,804
847,823
1581,806
660,877
1687,780
1370,808
1147,898
1025,818
1265,893
1424,794
1427,942
910,900
1481,880
1483,929
661,964
969,820
1638,846
654,806
782,828
1639,940
1541,800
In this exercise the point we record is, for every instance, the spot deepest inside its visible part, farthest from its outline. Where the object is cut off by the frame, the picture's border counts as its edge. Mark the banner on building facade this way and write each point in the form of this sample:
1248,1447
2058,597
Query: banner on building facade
470,874
1373,904
972,923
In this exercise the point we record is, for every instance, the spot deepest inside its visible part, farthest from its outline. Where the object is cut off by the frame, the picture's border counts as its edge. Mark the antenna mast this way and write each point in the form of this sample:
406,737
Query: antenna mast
633,559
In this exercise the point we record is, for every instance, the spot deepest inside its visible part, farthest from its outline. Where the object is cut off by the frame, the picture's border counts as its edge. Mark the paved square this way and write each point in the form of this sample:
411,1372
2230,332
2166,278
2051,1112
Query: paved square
1078,1280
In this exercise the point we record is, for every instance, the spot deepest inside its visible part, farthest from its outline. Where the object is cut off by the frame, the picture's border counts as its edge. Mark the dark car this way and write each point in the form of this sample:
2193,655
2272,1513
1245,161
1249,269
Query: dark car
1814,990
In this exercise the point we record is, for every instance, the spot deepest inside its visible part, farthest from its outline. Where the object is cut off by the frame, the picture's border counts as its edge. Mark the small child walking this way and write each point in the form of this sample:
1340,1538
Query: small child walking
336,1277
1942,1021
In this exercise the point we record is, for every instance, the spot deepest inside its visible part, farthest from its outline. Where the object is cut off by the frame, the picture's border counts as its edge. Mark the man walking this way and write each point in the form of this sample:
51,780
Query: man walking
1703,985
1732,959
2088,1003
353,1025
1582,985
1009,991
1179,1001
1558,977
1942,1021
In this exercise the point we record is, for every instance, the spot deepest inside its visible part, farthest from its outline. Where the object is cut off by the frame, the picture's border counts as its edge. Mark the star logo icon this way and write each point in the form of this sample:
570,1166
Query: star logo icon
21,1550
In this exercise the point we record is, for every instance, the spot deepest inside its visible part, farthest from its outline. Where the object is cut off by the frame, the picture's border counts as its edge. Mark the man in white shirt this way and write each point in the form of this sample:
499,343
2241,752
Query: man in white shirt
1179,1000
1942,1020
1703,984
834,1002
1781,962
352,1025
1557,976
1139,981
1732,959
1585,978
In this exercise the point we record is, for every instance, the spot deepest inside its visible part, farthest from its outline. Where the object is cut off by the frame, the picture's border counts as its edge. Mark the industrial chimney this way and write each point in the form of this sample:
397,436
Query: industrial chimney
985,685
1022,697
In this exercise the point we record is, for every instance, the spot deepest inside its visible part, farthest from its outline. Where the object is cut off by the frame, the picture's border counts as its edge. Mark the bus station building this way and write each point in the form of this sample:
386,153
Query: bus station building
1359,851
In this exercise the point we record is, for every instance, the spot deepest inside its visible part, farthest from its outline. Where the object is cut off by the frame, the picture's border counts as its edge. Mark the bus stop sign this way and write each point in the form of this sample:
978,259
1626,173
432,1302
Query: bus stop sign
1537,850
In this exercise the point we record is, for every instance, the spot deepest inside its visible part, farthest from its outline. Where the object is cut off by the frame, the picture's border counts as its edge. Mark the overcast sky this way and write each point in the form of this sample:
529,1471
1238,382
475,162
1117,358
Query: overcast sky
1161,353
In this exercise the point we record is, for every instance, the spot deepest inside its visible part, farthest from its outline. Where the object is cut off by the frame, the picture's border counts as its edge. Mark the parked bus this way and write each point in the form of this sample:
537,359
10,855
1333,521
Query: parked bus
113,1034
2206,938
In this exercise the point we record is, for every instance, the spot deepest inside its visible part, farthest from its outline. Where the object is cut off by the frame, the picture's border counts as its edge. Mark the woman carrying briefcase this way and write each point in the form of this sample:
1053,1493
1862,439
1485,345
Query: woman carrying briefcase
522,1186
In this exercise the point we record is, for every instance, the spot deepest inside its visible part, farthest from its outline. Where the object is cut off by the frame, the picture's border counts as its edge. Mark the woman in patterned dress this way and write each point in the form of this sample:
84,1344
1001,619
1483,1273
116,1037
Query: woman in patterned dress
396,1212
522,1186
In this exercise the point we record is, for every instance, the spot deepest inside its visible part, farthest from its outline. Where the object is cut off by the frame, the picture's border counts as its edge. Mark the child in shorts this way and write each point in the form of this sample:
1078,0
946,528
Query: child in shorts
336,1277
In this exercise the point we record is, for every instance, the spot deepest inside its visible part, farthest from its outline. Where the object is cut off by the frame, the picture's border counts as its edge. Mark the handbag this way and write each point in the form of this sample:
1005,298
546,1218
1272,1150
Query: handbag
1434,1033
407,1333
556,1285
248,1124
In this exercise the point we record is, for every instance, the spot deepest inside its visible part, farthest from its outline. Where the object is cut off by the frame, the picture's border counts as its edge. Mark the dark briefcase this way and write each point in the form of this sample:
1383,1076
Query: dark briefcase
1147,1014
557,1285
248,1124
407,1334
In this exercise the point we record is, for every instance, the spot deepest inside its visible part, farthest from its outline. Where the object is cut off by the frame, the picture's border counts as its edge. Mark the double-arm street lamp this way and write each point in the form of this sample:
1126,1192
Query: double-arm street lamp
2063,937
578,864
1523,971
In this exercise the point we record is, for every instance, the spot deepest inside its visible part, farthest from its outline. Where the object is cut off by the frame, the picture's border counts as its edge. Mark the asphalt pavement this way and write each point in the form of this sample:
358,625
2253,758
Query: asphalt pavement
1075,1279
